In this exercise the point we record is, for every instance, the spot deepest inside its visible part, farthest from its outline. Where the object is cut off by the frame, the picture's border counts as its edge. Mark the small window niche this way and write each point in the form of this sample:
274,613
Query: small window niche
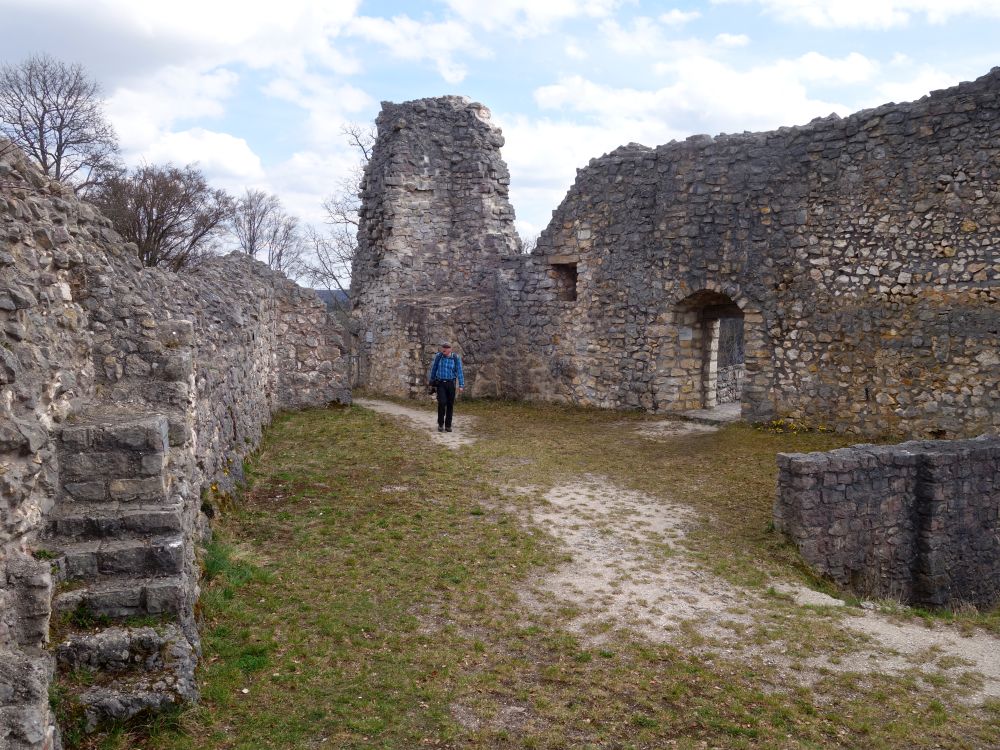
564,274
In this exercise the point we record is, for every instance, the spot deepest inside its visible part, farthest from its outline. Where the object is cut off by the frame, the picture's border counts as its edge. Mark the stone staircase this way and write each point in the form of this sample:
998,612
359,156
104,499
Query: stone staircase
145,670
123,602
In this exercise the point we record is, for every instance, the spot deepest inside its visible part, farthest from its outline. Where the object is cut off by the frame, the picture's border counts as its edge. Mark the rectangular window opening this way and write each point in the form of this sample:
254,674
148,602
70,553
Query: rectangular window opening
565,278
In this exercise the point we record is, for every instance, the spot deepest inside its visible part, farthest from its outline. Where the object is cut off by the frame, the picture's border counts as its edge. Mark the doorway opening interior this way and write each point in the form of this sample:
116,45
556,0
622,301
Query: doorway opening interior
712,347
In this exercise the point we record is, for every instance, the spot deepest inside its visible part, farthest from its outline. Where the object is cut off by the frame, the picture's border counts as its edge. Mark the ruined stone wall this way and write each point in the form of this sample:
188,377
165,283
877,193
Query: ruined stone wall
126,394
917,521
861,253
435,225
730,384
230,340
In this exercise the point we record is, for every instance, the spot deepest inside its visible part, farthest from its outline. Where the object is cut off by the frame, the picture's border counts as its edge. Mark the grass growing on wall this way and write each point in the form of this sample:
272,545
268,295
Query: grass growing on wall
364,594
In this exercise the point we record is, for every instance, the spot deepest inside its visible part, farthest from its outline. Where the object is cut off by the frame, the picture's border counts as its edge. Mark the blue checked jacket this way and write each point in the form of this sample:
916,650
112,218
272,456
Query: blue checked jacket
446,368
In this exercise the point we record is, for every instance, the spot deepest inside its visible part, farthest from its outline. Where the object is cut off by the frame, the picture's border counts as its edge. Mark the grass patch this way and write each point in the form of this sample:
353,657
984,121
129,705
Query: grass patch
364,594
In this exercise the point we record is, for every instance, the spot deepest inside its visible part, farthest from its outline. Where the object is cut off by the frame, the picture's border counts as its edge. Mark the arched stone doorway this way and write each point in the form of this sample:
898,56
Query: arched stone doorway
710,363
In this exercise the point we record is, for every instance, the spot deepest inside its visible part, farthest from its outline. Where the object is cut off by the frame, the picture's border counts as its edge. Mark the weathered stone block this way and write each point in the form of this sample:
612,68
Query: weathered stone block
83,466
137,490
87,491
934,540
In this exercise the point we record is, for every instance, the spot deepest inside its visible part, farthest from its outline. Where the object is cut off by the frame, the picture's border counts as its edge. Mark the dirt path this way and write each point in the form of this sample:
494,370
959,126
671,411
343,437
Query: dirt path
426,421
627,570
899,646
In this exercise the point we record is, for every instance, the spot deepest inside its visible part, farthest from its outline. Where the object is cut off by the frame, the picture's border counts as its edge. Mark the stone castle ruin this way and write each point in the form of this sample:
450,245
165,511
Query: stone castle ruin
436,230
130,397
843,274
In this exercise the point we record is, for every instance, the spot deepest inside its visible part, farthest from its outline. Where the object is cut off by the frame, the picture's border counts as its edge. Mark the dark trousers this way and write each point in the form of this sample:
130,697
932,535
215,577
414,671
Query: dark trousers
446,402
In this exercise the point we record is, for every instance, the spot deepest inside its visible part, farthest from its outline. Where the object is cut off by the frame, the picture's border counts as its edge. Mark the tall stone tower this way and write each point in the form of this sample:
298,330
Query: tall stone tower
435,227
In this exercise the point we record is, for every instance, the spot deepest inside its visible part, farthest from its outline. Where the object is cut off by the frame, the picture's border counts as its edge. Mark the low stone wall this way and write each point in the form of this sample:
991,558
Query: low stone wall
917,521
128,396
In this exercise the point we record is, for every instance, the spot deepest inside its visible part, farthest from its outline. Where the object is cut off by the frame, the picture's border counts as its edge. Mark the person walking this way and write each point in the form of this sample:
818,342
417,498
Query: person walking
445,370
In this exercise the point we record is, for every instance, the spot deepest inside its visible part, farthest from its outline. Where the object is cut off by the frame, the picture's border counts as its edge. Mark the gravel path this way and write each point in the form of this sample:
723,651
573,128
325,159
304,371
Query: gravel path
426,421
626,569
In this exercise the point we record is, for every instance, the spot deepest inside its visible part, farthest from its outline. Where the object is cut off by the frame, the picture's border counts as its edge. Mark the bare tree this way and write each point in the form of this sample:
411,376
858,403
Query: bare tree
331,253
54,112
361,137
264,231
528,244
285,247
171,214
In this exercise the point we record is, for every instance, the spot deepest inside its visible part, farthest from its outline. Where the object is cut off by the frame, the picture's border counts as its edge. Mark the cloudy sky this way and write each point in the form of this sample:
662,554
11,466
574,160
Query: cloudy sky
257,92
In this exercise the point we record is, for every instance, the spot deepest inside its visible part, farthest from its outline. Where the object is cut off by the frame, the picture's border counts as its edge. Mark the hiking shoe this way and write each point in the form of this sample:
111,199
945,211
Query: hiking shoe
447,429
440,428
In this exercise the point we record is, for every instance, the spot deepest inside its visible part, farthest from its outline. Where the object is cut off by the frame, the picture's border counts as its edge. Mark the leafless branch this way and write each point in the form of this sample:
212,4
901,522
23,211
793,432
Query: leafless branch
529,244
264,231
331,253
361,137
53,111
171,214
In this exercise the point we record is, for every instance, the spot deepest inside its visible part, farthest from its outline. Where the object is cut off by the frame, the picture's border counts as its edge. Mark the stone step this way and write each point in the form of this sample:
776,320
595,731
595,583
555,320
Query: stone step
720,415
80,466
115,457
117,431
100,488
151,669
125,597
93,559
81,521
120,649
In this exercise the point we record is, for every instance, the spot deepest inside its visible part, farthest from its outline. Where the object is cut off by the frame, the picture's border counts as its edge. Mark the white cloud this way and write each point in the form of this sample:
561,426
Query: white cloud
329,104
574,51
227,162
677,17
643,37
811,67
922,81
873,14
529,17
408,39
854,68
732,40
307,177
707,95
191,33
647,38
543,156
141,112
